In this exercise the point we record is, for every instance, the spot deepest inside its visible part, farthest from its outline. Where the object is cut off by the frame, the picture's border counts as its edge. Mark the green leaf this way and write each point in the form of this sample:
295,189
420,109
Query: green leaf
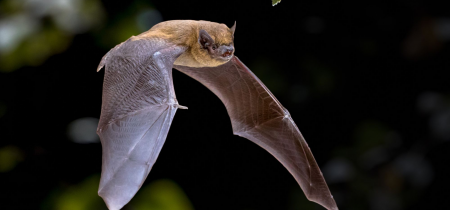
275,2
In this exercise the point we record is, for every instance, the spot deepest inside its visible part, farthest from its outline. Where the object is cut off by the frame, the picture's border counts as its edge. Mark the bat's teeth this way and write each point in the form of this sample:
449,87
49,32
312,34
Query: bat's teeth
226,54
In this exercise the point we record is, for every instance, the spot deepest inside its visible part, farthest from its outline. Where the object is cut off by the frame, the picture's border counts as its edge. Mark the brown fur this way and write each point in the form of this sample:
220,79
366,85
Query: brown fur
185,33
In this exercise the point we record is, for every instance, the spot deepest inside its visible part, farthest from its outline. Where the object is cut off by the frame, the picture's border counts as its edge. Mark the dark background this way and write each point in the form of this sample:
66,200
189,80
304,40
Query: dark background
366,82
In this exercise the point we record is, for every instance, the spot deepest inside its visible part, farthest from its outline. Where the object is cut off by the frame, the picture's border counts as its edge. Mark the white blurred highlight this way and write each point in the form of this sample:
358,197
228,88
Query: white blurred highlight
429,102
83,130
440,124
14,29
338,170
415,169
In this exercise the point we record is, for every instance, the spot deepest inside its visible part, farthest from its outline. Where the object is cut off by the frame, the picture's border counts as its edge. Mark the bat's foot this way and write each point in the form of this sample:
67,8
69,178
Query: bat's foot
181,107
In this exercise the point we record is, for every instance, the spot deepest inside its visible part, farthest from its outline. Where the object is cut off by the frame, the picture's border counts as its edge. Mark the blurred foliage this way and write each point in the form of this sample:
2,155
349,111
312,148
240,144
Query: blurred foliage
49,41
163,194
33,30
82,196
10,156
30,26
135,19
370,134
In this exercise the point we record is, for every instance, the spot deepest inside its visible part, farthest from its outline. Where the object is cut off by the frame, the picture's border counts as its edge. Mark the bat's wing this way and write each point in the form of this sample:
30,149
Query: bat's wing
138,106
258,116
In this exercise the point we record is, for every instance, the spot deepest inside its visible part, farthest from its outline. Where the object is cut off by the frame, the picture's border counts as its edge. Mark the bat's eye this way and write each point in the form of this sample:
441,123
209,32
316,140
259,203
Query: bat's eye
214,47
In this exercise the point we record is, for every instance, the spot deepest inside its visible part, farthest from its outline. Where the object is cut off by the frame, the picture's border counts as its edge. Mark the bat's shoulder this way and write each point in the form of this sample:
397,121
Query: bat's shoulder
139,47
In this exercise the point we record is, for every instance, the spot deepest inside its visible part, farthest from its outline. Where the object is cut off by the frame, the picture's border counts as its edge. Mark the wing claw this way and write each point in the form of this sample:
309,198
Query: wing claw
181,107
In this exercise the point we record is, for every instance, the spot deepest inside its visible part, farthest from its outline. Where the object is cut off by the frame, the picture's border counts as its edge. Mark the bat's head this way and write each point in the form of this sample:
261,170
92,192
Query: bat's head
215,44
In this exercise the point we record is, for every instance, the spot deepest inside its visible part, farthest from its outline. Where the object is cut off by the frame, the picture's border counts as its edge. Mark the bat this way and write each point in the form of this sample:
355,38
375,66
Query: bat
139,103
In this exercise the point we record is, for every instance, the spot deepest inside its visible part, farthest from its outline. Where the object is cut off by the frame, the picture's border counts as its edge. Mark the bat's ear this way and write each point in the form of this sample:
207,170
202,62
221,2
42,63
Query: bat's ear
205,39
233,28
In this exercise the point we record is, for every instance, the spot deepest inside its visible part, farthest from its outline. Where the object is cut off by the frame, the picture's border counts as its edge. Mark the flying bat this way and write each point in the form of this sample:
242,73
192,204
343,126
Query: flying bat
139,103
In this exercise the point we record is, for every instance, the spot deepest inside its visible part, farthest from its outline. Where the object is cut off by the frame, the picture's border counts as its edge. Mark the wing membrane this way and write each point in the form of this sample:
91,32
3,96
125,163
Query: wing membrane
130,148
258,116
137,110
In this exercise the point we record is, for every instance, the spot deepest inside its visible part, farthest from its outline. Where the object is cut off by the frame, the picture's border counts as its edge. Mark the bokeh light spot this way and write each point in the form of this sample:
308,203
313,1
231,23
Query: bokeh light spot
428,102
83,130
14,29
440,124
338,170
415,168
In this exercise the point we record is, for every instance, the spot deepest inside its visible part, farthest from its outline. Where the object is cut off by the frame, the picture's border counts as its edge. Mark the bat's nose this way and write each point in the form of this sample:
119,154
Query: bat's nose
229,48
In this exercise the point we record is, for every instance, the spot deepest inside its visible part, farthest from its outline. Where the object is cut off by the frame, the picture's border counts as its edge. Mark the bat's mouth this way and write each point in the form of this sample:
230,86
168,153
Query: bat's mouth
227,54
227,51
224,53
226,57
